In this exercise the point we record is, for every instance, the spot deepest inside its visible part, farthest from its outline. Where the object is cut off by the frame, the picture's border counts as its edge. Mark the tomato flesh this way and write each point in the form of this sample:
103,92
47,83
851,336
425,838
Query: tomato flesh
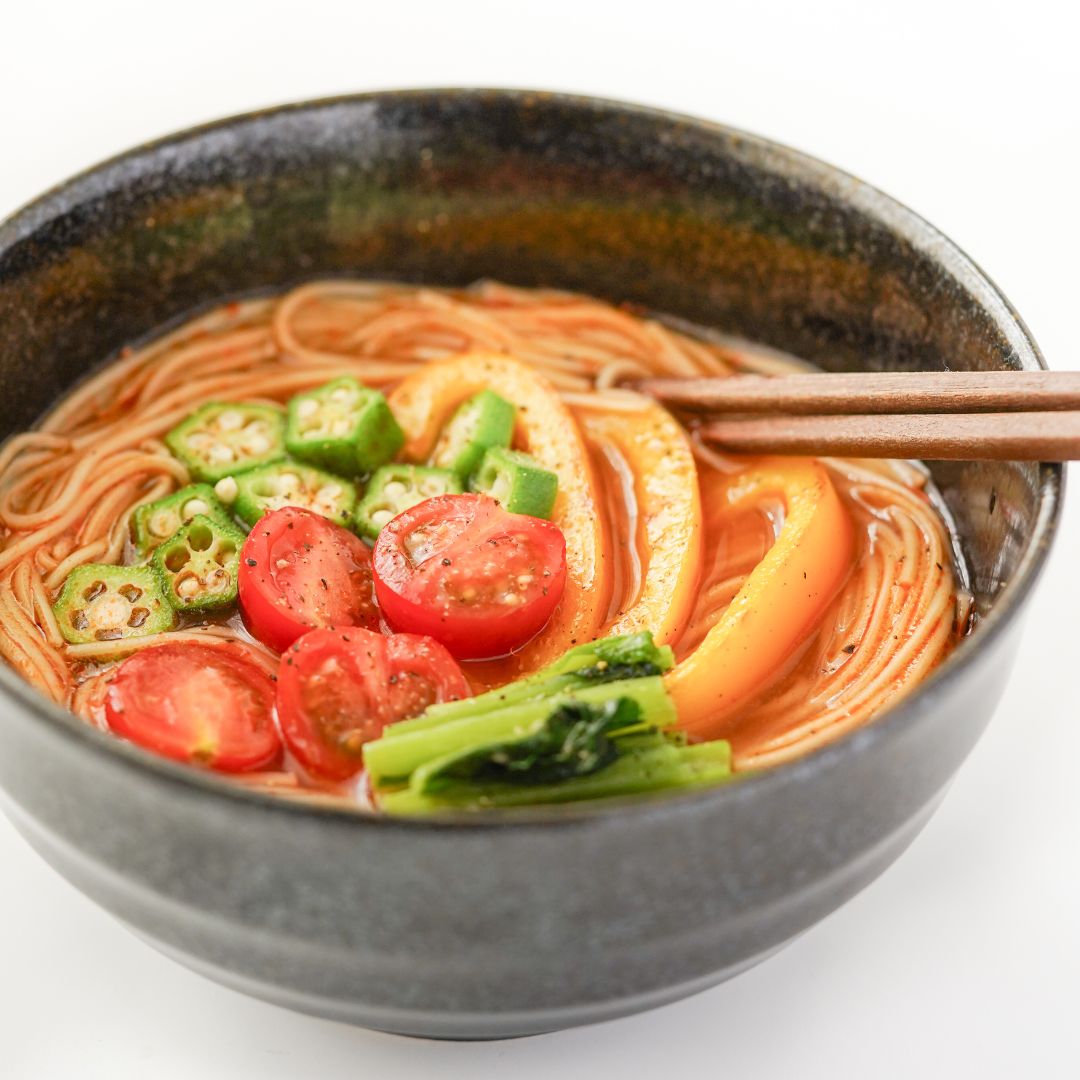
200,704
299,570
462,570
337,689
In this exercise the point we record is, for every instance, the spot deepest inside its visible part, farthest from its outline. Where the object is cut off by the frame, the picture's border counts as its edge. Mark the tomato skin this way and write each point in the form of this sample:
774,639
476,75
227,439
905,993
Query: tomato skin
337,689
299,570
462,570
200,704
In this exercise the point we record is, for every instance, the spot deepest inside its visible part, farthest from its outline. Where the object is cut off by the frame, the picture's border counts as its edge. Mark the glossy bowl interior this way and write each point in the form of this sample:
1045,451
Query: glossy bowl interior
503,925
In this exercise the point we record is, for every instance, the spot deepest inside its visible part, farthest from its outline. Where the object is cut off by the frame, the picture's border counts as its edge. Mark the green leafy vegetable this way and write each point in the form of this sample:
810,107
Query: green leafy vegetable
646,766
629,656
391,760
574,740
595,724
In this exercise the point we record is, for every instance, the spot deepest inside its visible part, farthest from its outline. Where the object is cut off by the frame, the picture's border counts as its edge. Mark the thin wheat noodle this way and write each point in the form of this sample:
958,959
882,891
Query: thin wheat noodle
182,366
26,441
612,373
67,490
620,401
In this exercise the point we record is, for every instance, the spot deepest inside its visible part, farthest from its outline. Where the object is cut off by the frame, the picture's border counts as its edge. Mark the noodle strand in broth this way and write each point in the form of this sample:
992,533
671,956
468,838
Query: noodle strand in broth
67,489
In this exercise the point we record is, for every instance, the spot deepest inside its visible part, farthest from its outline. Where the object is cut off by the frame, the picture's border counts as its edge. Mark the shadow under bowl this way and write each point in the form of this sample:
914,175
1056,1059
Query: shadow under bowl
498,926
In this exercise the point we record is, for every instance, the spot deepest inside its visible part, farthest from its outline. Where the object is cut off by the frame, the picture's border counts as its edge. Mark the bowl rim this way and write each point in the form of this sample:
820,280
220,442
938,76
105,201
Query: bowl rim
883,730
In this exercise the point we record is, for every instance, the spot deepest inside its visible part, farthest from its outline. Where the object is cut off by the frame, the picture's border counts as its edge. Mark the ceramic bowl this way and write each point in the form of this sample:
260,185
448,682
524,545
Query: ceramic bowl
506,925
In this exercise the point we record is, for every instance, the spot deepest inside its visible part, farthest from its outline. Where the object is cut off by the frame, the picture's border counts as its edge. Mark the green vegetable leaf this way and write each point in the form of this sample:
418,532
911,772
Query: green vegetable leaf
629,652
603,672
608,660
646,763
577,738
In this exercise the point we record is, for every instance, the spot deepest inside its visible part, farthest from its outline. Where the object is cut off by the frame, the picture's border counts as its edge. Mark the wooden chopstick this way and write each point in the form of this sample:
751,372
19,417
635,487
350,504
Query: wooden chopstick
873,392
1012,436
972,415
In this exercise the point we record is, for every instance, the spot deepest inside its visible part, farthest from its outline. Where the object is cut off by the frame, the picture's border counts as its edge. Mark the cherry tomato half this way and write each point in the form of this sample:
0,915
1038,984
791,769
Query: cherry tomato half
462,570
298,571
339,688
201,704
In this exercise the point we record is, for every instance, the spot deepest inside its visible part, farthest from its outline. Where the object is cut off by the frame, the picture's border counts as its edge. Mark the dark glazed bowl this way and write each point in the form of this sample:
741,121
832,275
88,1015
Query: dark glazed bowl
503,926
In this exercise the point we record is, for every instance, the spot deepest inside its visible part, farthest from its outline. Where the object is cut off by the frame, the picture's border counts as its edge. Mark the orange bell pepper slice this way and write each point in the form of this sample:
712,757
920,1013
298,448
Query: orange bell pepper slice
657,452
779,603
546,429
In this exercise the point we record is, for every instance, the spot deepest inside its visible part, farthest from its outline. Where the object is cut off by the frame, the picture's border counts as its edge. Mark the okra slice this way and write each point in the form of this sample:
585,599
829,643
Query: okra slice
198,566
287,483
153,523
395,488
483,421
344,427
106,603
517,482
224,438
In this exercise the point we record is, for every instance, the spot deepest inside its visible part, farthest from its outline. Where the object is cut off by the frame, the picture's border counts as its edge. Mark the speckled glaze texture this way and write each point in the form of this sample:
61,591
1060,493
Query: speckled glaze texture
497,926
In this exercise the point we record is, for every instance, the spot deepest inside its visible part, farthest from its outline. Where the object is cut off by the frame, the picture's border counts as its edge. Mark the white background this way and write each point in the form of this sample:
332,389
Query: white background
964,959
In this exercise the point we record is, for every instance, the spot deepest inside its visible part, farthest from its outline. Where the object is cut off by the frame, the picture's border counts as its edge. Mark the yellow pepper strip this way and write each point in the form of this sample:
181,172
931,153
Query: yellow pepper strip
779,603
545,428
657,452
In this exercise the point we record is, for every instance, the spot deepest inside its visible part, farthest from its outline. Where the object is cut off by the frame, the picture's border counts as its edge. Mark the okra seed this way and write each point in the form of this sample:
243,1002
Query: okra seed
138,616
307,408
193,507
163,523
394,490
230,420
187,586
226,489
219,454
381,517
92,592
257,444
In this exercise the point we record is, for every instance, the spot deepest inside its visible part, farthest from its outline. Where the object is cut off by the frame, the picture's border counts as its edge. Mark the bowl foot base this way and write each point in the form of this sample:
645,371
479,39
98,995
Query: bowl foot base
459,1027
